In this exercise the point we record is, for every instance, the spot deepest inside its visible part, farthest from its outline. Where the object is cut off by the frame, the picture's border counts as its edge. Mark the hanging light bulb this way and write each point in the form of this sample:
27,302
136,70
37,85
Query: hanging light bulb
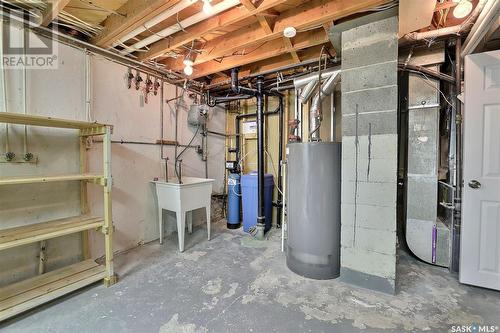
463,9
207,7
188,70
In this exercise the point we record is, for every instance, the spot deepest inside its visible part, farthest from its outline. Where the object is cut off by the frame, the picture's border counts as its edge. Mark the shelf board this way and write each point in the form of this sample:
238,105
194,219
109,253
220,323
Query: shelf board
27,234
41,179
26,119
22,296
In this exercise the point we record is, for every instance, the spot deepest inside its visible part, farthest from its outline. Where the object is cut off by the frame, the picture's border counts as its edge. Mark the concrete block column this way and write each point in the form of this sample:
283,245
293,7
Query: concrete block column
369,155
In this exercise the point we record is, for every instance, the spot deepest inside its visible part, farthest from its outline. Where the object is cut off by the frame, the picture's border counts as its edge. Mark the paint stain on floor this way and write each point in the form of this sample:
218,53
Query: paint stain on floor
234,283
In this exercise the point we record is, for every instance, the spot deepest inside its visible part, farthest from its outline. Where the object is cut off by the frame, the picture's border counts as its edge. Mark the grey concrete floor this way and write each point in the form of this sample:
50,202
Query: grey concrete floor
236,284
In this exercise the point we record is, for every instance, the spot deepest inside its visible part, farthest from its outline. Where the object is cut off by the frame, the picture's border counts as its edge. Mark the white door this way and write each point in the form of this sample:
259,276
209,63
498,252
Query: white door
480,234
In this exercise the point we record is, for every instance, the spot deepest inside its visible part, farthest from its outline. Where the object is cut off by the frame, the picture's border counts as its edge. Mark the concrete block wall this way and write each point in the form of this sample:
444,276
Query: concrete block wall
369,155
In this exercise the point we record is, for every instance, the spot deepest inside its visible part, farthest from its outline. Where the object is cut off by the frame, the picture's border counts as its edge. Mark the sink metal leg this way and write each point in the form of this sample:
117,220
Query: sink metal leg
190,221
160,224
181,229
208,220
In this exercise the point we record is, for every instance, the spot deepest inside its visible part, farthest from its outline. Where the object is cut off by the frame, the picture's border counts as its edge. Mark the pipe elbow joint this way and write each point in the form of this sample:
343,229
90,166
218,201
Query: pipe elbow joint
234,80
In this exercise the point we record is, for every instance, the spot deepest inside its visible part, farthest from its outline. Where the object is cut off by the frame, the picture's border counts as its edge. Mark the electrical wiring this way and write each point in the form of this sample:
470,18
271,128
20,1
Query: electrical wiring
430,83
274,169
189,144
234,54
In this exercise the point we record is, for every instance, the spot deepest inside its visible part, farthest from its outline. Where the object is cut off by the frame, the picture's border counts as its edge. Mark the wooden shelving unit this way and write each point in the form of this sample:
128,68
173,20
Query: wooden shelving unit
24,295
31,180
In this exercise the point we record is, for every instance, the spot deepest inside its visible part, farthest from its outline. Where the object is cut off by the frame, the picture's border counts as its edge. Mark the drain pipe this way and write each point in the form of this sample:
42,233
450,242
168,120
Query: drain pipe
280,160
261,217
259,93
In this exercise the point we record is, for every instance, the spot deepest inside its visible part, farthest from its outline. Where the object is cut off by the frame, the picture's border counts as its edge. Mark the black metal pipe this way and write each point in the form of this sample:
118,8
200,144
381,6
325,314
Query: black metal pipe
238,138
280,158
237,124
221,100
437,75
261,217
272,71
217,133
235,87
259,93
123,142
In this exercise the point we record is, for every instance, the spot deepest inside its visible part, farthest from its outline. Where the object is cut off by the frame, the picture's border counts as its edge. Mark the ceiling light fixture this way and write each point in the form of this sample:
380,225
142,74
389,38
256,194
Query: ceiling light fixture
188,70
463,9
290,32
207,7
188,66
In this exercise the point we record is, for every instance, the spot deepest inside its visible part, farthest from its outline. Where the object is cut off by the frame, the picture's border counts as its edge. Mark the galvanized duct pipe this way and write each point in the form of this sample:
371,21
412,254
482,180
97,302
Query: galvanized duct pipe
306,79
308,91
314,112
489,14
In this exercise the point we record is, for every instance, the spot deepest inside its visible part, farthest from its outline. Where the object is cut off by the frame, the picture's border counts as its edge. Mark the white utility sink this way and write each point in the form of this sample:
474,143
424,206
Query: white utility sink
183,198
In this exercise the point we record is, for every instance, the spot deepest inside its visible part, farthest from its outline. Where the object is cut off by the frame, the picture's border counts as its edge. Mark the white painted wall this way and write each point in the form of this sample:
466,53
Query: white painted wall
60,93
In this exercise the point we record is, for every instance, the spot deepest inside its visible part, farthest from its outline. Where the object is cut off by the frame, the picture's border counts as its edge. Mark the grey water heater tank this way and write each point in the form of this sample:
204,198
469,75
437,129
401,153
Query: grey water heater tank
313,243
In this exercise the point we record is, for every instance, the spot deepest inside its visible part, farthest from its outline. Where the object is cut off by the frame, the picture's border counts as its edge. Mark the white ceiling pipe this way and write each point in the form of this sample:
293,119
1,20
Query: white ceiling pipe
487,17
216,9
156,20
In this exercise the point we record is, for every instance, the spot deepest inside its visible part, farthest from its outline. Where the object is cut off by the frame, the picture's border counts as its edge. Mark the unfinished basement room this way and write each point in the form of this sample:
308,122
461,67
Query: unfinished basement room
199,166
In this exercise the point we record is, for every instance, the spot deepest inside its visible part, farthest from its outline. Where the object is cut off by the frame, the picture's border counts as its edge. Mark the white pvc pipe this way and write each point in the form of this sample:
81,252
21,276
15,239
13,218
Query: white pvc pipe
489,14
4,87
216,9
283,211
25,34
156,20
88,86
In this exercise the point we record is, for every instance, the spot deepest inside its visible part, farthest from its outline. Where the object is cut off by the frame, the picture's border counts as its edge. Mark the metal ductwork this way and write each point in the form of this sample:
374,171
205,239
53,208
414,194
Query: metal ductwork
315,110
306,79
308,90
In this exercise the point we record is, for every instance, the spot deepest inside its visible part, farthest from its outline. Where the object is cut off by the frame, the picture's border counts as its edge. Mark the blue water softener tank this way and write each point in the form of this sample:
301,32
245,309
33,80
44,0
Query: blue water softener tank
233,201
250,200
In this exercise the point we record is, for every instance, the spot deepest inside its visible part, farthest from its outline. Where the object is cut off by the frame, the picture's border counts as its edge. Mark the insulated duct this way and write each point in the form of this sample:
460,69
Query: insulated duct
315,110
308,91
216,9
156,20
488,15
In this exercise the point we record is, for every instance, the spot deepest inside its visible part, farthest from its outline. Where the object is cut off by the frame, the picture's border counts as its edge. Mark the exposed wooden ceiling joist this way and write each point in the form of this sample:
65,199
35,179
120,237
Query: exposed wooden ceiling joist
210,25
276,63
53,10
134,14
311,14
267,50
